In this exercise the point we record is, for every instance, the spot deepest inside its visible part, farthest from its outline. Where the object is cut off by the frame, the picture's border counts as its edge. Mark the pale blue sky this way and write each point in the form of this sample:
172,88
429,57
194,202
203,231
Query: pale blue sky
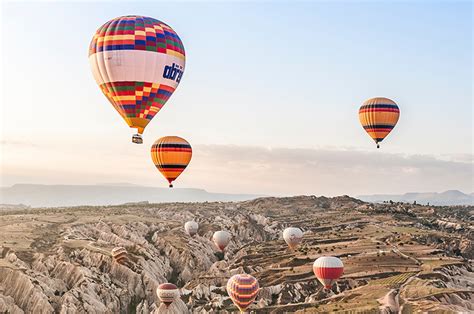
273,75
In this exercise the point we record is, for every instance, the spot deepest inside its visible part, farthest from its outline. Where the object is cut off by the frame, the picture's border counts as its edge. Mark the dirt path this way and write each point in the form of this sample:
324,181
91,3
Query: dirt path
397,251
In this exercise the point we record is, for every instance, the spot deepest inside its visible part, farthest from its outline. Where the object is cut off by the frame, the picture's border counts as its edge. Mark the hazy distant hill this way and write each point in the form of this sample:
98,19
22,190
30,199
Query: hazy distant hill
37,195
451,197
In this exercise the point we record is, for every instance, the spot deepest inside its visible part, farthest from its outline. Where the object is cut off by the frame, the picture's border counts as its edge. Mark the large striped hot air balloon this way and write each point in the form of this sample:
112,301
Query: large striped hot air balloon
328,269
138,62
221,239
167,293
292,237
171,155
242,289
378,117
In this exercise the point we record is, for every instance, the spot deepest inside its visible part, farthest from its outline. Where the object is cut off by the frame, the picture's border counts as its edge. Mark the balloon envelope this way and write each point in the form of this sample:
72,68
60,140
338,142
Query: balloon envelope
120,255
292,237
138,63
328,269
221,239
191,227
171,155
242,289
167,293
378,117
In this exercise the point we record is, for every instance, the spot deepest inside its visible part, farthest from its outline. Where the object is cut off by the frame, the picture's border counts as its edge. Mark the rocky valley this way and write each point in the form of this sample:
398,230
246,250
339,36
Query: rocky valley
397,257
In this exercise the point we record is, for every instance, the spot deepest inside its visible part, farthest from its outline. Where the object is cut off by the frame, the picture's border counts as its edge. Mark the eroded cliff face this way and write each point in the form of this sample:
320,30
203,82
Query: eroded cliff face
59,260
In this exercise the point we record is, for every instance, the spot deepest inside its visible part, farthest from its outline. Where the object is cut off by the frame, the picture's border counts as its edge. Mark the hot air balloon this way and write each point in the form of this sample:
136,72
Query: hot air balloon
191,227
292,237
138,62
221,239
243,290
378,117
328,269
171,155
167,293
120,255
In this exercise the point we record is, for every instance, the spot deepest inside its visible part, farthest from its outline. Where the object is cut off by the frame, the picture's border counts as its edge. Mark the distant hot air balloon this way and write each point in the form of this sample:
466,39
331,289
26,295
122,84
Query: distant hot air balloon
292,237
167,293
221,239
242,289
379,116
120,255
138,62
328,269
191,227
171,155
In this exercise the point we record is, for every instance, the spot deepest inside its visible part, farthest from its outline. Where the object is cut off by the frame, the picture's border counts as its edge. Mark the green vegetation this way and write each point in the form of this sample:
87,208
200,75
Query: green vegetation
392,281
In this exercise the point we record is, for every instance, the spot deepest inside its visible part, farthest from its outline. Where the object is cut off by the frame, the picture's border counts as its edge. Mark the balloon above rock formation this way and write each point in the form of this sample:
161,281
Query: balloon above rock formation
221,239
191,227
167,293
120,255
328,269
242,290
293,237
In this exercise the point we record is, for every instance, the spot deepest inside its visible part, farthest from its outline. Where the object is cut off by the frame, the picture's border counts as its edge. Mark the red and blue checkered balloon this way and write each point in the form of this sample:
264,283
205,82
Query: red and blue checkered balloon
138,62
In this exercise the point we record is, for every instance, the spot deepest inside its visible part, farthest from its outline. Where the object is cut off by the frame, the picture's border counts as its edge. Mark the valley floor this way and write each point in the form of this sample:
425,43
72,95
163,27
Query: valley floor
397,257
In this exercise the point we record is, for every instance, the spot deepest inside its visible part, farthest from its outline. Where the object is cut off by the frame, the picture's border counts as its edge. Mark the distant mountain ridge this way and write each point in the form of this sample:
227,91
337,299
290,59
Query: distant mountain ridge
450,197
37,195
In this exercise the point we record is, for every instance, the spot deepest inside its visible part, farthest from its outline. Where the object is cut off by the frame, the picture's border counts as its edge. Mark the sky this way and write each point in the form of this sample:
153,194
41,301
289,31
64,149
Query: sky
269,99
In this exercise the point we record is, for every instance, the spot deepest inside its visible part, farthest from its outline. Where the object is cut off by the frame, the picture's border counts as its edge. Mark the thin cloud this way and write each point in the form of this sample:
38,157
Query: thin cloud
253,170
330,172
17,143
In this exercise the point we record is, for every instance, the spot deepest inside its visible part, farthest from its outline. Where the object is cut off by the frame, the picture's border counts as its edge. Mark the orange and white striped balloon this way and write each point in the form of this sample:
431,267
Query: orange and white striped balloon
171,155
378,117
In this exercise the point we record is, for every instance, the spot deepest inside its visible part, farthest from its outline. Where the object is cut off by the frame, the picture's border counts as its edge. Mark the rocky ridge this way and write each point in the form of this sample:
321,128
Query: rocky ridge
58,260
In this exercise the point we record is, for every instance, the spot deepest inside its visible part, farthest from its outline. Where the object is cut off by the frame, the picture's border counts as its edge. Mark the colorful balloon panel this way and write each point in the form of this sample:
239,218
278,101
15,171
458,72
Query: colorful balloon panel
328,269
171,155
242,289
138,62
378,117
